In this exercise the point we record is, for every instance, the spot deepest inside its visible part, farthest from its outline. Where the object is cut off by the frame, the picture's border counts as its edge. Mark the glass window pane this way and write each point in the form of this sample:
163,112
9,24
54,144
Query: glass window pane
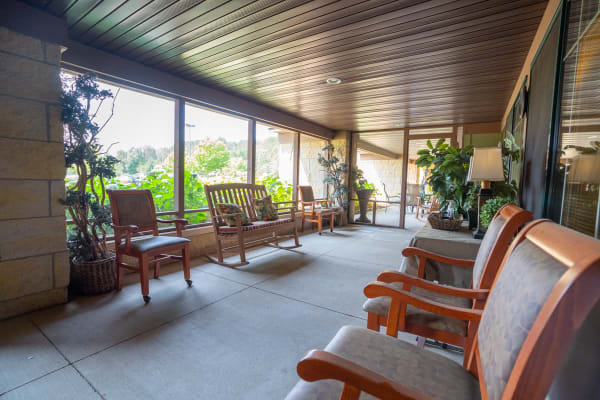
140,135
216,151
577,180
311,173
275,160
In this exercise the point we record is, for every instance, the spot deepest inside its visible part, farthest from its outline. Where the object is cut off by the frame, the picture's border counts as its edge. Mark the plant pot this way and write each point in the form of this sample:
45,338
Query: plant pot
363,202
93,277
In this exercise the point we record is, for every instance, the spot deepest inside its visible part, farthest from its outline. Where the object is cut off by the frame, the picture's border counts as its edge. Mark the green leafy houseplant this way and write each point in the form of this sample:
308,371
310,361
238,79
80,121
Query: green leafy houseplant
448,168
335,171
488,210
85,199
360,182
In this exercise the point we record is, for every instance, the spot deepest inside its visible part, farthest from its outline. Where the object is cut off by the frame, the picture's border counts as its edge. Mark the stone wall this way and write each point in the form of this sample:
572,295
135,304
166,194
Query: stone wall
34,265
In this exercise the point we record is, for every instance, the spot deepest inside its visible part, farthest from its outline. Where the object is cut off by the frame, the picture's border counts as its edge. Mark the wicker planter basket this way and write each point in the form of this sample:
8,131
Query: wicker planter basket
437,222
93,277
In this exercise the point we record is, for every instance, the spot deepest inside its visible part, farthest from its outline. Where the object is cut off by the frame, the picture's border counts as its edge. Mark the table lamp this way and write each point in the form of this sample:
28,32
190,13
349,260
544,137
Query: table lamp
485,166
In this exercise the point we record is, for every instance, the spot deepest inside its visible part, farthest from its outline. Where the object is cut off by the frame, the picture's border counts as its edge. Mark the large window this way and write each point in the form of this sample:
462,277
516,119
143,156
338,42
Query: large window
310,172
138,130
275,160
216,151
576,183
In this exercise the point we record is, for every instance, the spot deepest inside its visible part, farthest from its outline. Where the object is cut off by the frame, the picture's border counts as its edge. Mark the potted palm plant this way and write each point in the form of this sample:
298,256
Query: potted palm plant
92,264
363,190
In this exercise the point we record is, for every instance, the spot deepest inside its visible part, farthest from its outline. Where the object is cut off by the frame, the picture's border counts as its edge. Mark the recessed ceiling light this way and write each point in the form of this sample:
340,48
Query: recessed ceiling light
333,81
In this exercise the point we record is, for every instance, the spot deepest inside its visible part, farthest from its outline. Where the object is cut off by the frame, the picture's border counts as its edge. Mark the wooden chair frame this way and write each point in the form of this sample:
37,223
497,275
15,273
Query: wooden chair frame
514,217
154,256
565,309
433,206
243,194
313,216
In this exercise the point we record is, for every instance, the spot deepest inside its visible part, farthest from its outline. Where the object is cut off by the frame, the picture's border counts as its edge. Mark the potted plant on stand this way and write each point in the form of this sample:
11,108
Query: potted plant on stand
363,190
92,265
335,172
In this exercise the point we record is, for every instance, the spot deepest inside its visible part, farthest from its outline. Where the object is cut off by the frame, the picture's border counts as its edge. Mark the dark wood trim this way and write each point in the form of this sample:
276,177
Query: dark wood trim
30,21
296,170
179,157
251,151
404,178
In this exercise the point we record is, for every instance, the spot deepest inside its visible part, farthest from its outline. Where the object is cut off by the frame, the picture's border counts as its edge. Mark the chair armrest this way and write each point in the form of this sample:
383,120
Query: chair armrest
382,289
319,364
127,230
415,251
179,223
396,276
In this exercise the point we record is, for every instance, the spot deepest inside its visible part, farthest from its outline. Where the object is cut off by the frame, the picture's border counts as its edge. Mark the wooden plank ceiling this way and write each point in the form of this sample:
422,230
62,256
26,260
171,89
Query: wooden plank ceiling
402,62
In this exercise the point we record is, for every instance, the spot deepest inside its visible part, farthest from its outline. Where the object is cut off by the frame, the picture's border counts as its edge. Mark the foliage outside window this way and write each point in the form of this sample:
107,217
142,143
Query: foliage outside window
216,151
275,161
138,131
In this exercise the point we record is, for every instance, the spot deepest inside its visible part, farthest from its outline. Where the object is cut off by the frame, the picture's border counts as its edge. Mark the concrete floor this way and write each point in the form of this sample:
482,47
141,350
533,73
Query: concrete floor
235,334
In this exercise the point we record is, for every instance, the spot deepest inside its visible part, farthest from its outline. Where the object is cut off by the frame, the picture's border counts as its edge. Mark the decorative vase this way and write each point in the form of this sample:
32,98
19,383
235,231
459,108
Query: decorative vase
363,202
93,277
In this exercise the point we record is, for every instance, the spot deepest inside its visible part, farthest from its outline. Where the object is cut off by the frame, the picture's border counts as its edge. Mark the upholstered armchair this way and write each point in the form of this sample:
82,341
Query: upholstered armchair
133,212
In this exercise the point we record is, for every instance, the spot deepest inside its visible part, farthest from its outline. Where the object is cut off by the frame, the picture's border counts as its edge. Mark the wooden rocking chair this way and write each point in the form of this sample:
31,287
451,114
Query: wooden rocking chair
442,326
132,212
258,233
547,286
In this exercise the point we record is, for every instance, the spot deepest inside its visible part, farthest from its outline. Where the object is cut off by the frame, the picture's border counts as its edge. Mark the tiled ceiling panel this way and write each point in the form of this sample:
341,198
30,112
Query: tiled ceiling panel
401,62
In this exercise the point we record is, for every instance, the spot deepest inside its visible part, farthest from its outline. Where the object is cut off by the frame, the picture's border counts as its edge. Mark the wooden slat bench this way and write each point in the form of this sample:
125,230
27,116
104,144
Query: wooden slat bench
242,237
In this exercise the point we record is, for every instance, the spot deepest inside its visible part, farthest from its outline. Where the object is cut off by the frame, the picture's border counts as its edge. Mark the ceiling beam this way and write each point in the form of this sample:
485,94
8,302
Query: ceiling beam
371,148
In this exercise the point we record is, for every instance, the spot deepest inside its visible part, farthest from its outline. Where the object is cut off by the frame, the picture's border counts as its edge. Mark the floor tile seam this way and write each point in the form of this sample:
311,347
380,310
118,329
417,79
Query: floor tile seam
34,379
159,326
309,303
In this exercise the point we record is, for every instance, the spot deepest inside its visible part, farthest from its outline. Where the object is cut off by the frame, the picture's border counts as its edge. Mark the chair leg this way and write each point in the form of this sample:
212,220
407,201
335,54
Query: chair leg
186,264
296,241
242,249
373,322
143,266
302,225
320,223
331,221
119,271
219,251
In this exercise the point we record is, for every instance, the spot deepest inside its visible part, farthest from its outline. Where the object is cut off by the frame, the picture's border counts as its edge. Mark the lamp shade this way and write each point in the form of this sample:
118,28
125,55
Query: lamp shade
486,165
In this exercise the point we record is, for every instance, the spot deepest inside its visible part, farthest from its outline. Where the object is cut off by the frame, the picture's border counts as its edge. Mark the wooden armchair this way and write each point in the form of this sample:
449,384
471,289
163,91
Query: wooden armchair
547,286
313,210
383,310
427,208
132,212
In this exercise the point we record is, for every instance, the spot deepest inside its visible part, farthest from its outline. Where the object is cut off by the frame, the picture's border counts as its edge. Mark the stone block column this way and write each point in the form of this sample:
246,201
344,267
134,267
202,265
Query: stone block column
34,263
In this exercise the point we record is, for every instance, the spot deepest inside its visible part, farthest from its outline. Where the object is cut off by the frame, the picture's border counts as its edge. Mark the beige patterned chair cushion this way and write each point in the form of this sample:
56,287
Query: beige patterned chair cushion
381,306
522,288
418,369
491,235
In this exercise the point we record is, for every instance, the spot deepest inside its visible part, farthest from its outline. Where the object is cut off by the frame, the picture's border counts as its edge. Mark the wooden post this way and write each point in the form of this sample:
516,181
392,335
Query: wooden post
296,168
179,157
251,150
352,159
404,177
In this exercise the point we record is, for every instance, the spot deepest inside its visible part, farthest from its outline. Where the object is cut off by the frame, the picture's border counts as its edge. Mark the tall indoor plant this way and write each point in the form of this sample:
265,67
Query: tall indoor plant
335,173
92,265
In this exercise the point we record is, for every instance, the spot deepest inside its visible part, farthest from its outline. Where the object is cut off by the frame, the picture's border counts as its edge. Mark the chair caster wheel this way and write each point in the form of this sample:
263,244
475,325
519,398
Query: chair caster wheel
189,282
320,233
146,299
